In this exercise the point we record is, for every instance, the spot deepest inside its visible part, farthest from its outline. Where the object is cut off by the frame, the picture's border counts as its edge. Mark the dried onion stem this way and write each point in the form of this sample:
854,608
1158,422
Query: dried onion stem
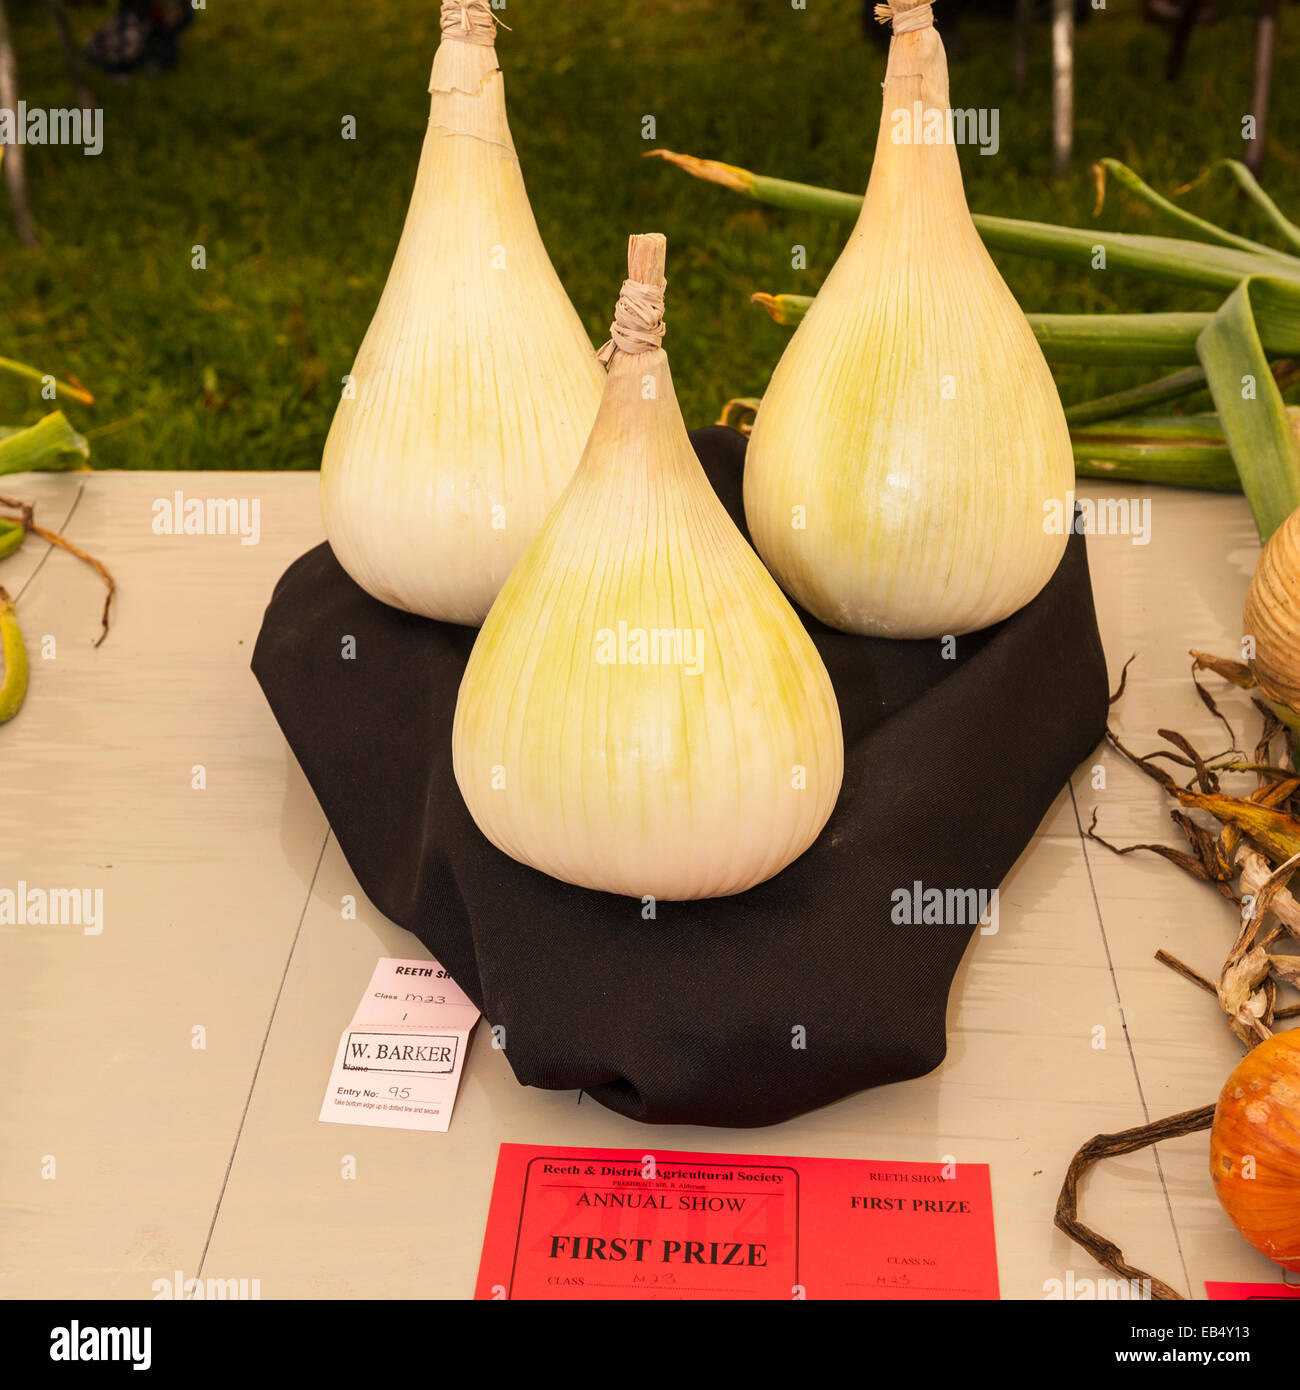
1100,1146
24,519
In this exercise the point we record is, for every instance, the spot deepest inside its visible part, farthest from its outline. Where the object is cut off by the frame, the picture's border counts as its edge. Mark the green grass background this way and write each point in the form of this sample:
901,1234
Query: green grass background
240,149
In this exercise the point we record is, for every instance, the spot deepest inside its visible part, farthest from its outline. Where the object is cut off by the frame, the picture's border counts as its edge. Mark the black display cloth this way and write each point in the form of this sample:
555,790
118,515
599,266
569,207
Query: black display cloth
734,1011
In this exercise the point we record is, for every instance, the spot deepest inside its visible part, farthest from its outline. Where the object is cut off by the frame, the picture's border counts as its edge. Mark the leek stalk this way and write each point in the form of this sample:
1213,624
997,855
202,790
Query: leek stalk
1144,193
51,444
1154,257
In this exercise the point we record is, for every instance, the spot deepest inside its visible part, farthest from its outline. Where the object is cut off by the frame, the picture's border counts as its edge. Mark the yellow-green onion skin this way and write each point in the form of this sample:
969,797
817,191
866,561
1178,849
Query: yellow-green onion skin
683,779
475,387
911,450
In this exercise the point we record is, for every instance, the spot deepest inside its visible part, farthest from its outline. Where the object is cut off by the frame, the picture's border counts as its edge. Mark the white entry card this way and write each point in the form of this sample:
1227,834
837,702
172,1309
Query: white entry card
399,1061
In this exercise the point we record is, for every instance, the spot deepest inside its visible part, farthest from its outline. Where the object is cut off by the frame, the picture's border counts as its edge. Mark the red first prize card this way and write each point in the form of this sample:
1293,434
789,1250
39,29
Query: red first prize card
899,1230
1251,1293
626,1223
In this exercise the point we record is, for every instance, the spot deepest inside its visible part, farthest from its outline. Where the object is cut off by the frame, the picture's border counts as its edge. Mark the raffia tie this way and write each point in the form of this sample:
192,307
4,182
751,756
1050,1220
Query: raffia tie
471,21
638,319
906,21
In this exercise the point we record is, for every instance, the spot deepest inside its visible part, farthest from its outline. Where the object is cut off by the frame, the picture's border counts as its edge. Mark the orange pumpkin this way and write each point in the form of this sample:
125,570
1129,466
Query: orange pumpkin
1255,1148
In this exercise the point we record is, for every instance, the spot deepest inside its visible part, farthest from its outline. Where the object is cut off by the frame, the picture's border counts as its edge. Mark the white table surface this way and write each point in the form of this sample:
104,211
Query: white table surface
222,910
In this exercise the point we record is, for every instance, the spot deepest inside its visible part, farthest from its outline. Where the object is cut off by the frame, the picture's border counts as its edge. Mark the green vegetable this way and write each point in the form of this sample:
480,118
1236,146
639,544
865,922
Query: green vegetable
61,388
51,444
1154,257
1249,403
12,534
1250,187
13,689
1185,450
1101,339
1146,194
1159,392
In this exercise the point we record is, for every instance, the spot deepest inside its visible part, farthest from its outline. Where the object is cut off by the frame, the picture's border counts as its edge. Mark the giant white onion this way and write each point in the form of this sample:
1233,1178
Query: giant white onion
642,711
909,465
475,386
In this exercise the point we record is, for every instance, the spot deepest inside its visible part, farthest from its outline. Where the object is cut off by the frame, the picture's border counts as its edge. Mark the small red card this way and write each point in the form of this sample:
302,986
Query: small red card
1263,1293
627,1223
